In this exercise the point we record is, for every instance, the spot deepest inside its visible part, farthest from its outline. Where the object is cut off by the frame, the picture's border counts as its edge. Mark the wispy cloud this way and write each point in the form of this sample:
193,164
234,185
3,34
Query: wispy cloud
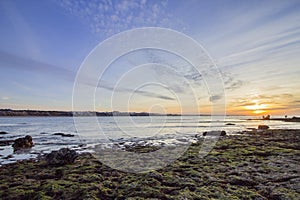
5,98
107,17
22,86
269,103
131,91
215,98
257,38
230,81
260,51
20,24
8,60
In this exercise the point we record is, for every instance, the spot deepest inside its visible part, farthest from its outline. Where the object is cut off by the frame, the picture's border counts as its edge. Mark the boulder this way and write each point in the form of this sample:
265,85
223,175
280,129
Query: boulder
64,134
214,133
23,143
223,133
229,124
61,157
263,127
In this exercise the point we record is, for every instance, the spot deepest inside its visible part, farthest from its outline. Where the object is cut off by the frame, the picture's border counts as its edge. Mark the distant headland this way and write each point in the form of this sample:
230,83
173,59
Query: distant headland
40,113
285,119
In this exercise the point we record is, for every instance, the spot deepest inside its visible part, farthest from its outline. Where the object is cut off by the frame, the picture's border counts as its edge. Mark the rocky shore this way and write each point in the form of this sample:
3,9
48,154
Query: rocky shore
257,164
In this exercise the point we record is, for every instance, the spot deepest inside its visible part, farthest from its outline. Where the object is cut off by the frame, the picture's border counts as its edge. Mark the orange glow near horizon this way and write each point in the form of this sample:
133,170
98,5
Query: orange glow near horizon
259,111
256,108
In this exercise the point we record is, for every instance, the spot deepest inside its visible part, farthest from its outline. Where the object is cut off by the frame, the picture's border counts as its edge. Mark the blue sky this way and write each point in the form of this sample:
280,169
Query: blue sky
255,44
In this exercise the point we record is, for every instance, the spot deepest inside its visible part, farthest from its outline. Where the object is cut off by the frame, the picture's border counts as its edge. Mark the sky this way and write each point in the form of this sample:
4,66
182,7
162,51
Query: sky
254,44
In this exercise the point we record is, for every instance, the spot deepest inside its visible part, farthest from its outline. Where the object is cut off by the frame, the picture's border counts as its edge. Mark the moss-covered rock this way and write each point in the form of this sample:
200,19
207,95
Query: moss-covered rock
255,165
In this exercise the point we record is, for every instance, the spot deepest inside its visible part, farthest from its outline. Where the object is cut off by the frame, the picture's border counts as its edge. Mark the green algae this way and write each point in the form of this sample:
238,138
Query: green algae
263,165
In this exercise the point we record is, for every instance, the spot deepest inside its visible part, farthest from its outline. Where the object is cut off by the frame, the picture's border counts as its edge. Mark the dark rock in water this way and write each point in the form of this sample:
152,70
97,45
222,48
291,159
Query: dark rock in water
198,136
23,143
223,133
64,134
61,157
6,142
263,127
3,132
81,145
229,124
214,133
8,157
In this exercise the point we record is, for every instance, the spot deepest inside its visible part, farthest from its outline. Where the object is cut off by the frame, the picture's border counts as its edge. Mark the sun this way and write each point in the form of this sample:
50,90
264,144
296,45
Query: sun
258,111
256,108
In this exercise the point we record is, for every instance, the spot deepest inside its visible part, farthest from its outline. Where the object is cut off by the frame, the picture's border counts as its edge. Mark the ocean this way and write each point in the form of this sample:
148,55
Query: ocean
167,130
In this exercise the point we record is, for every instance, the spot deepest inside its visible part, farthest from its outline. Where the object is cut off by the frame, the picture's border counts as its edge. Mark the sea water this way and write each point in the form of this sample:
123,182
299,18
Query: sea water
90,131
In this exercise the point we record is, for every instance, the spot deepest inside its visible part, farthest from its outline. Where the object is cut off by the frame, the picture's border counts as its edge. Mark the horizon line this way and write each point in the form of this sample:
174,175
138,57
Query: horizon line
123,112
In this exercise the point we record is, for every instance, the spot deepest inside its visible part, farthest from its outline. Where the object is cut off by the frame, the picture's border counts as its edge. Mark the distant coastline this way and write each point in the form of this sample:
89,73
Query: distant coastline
291,119
41,113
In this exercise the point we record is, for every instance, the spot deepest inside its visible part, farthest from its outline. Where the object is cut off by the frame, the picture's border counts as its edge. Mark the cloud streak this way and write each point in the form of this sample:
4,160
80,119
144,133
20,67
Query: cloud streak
9,61
140,92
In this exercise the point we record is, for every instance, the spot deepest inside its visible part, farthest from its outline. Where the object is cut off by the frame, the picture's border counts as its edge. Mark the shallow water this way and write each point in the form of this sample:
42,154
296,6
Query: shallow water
156,130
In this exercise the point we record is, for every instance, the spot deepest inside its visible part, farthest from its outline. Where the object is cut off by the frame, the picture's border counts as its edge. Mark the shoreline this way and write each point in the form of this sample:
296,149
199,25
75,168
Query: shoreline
256,164
292,119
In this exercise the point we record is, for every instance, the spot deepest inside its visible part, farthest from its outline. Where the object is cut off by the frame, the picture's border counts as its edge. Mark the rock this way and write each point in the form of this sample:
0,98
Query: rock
8,157
61,157
240,181
223,133
199,137
263,127
6,142
229,124
266,117
155,175
23,143
64,134
59,173
214,133
3,132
